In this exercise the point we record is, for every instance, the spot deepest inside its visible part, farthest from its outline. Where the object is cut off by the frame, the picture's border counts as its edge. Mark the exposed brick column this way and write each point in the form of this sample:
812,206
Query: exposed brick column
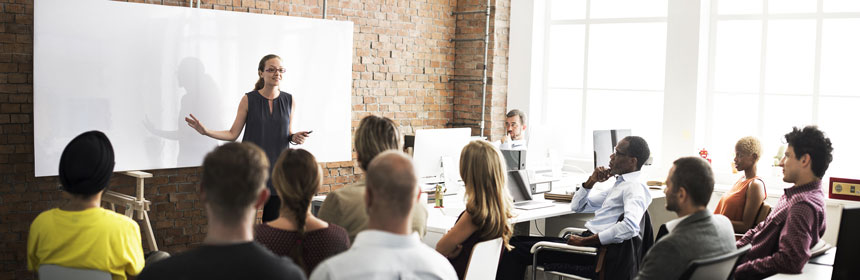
469,63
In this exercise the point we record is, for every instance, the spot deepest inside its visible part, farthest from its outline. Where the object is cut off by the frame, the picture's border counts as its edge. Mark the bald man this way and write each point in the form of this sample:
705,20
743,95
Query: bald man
387,249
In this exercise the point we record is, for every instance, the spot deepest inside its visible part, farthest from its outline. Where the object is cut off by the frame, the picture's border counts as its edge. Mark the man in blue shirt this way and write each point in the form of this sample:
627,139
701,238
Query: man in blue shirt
617,213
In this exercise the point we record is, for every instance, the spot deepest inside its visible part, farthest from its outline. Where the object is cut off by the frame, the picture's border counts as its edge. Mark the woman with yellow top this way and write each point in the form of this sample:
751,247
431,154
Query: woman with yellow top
488,205
741,203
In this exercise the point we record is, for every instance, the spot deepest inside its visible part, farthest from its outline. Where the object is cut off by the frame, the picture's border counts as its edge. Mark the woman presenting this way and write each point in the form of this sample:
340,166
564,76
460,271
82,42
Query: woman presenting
266,115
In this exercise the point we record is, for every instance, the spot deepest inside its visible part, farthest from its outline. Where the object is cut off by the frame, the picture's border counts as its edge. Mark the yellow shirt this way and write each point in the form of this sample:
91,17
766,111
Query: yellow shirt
95,238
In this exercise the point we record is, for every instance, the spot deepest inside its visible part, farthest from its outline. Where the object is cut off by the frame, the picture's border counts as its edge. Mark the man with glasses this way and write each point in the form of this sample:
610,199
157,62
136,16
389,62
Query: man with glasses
515,127
617,213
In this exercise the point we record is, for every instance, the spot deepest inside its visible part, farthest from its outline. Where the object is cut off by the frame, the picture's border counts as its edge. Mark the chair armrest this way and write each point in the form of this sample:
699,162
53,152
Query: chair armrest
561,247
572,230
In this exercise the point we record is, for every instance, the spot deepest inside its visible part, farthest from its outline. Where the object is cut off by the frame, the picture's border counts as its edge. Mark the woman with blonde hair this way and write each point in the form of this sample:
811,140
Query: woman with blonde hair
488,205
742,202
296,233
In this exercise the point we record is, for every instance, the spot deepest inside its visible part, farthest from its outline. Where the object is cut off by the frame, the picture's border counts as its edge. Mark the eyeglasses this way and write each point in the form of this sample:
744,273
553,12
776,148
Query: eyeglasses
279,70
617,153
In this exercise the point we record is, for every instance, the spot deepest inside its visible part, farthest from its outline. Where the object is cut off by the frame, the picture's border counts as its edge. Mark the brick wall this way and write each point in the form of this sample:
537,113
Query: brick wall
469,63
402,62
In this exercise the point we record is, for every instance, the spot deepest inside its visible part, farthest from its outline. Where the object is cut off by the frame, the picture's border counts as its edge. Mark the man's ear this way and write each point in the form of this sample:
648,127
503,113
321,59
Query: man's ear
368,199
682,193
805,160
262,198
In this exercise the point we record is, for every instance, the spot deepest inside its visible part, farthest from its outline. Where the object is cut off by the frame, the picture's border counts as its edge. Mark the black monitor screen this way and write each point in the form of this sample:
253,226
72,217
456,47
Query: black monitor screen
847,245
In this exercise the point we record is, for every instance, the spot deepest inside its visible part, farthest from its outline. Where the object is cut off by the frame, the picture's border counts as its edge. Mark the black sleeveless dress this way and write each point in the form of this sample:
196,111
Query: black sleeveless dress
270,131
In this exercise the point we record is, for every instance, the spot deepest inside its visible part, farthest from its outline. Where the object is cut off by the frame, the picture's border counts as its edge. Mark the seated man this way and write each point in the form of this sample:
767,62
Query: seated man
781,243
232,188
696,233
388,249
515,126
345,207
81,234
617,214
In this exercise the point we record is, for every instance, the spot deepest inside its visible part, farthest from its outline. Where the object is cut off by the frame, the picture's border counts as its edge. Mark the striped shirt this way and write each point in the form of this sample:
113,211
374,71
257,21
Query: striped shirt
781,243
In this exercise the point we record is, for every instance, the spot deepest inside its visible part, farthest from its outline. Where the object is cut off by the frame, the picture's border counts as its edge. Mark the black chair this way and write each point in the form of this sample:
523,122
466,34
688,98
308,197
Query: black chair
615,261
720,267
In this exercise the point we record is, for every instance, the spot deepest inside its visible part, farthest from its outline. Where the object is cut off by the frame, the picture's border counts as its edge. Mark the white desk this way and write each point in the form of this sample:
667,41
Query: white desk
810,271
439,221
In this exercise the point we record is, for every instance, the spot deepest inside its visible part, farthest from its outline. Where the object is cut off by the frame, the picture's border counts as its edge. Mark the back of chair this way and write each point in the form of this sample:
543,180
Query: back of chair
763,212
484,260
56,272
715,268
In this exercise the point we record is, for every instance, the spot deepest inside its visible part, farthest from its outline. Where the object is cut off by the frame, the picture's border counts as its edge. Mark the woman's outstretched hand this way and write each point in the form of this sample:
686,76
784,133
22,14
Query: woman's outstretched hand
299,137
195,124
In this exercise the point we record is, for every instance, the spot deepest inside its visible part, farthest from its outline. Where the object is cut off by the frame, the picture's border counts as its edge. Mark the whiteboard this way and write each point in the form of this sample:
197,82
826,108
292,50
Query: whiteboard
134,70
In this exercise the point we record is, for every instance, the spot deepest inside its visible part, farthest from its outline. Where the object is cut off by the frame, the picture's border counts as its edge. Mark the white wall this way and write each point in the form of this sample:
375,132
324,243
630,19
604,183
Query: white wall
134,71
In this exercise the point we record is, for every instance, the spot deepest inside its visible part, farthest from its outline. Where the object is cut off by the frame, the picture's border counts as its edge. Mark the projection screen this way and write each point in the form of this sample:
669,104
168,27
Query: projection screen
134,71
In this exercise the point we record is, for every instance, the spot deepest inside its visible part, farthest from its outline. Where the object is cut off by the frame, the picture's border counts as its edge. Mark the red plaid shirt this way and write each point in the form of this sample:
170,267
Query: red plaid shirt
781,243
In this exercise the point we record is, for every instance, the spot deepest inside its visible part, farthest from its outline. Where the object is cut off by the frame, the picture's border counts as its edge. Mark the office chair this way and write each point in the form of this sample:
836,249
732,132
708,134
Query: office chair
56,272
637,246
715,268
484,260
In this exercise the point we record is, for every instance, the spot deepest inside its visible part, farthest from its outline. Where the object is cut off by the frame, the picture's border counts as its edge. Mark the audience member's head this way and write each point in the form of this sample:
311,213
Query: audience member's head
233,182
809,150
689,184
747,153
487,200
375,135
296,178
86,164
630,154
515,124
392,188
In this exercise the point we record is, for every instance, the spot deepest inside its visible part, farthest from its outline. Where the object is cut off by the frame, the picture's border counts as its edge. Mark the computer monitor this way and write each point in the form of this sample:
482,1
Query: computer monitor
432,147
604,144
844,265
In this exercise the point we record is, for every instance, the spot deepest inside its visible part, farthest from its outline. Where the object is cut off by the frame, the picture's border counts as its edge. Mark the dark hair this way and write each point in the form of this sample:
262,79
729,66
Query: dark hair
261,67
695,175
375,135
296,178
638,148
517,112
810,140
233,175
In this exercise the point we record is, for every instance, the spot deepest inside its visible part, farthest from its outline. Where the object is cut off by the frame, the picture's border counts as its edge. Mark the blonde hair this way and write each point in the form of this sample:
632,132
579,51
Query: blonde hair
296,178
749,145
487,199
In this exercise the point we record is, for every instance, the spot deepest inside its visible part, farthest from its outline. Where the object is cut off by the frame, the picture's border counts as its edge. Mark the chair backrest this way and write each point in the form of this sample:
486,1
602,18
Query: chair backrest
763,212
484,260
52,272
715,268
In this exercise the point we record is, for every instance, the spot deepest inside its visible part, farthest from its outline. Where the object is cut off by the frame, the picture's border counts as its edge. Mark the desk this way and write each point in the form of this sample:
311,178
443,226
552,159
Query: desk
810,271
439,221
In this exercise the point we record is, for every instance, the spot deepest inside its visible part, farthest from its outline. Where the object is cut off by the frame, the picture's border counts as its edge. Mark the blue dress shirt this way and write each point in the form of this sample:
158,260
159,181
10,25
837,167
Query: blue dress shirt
627,196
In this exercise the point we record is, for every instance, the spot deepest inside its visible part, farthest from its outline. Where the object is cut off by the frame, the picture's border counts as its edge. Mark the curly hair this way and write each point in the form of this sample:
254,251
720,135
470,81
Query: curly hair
812,141
749,145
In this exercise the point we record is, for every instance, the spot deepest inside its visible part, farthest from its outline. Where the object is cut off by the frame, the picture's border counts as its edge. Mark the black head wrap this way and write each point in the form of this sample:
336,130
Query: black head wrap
87,163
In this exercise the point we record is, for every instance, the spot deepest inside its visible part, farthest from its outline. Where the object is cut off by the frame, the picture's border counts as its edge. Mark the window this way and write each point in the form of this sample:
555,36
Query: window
778,64
604,65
